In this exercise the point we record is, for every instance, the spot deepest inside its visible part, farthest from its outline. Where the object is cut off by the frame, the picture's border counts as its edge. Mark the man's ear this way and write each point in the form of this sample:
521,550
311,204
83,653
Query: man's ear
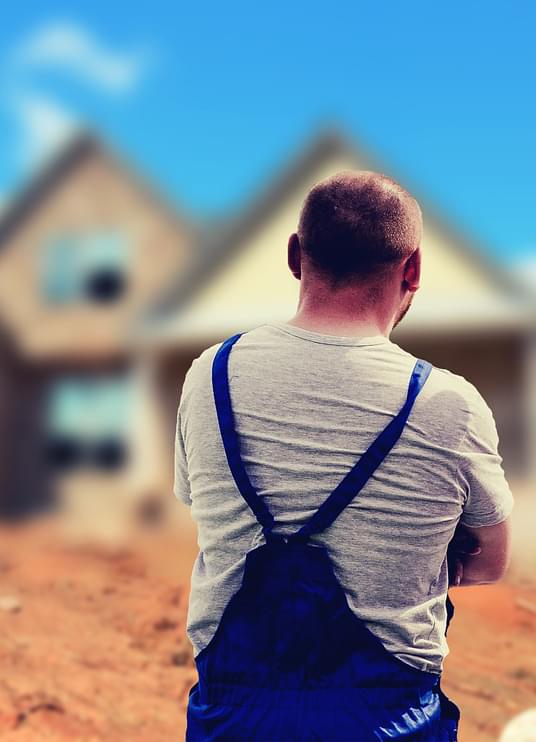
294,255
412,271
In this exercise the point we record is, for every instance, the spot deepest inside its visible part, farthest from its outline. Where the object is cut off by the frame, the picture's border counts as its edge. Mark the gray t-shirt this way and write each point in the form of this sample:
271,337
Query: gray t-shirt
306,407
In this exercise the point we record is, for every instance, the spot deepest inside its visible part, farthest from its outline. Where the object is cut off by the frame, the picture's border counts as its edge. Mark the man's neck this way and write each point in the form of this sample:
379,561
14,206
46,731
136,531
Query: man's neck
342,326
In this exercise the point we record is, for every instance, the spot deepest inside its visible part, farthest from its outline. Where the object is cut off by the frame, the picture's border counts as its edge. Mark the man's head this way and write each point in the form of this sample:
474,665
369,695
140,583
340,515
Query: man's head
357,229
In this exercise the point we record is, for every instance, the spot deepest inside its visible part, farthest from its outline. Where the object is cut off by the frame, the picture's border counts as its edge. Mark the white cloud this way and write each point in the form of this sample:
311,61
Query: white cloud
72,47
44,125
43,122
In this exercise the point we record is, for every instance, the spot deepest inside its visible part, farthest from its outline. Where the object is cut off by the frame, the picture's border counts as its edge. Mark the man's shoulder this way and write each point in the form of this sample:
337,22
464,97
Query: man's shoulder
458,383
447,388
449,378
440,378
460,396
202,363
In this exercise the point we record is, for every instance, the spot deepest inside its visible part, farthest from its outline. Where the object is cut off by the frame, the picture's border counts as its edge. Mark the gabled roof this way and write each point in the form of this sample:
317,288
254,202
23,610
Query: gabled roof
84,144
327,143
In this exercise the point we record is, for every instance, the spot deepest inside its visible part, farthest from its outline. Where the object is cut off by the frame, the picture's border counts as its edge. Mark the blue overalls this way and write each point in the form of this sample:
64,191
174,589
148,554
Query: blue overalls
290,661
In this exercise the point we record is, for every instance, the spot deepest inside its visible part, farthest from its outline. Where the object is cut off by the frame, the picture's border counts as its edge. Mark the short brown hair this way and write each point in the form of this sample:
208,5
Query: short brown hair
358,223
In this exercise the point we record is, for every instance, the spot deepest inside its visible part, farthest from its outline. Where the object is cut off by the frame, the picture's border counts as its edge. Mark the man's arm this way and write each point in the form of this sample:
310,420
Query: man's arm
485,554
480,550
181,485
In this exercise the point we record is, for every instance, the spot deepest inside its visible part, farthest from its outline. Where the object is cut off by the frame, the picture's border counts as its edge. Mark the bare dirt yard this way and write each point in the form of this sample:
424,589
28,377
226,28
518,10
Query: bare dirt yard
93,645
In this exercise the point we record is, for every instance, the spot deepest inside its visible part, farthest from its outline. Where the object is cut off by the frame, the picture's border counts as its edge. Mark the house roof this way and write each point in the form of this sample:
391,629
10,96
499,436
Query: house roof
225,242
82,145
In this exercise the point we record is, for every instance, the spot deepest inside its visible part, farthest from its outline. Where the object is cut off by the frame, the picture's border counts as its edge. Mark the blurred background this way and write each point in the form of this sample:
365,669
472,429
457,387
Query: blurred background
153,162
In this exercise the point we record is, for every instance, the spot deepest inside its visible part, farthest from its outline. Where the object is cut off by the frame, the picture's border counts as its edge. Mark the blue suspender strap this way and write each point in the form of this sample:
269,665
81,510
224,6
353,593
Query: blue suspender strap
222,398
355,480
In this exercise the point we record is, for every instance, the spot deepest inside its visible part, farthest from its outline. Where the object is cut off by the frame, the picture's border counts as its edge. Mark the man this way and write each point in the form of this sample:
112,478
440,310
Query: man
266,434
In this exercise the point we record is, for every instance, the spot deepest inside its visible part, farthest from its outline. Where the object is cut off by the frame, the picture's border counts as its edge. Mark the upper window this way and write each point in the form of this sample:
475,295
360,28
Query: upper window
85,267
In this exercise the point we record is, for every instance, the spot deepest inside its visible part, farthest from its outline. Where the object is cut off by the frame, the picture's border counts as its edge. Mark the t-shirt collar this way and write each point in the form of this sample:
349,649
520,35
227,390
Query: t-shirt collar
318,337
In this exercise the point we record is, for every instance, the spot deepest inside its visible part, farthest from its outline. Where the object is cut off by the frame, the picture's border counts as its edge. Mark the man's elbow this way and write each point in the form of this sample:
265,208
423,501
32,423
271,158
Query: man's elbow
492,563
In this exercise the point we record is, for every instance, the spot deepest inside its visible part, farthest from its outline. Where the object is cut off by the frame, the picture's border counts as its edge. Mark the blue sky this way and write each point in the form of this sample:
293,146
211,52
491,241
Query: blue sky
212,100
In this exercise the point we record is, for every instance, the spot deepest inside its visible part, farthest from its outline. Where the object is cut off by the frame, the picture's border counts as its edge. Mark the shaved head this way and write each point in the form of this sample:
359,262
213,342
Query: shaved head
357,225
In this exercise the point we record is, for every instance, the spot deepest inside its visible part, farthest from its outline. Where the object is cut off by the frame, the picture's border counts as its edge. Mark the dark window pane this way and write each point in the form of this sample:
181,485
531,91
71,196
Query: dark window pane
109,454
64,453
105,286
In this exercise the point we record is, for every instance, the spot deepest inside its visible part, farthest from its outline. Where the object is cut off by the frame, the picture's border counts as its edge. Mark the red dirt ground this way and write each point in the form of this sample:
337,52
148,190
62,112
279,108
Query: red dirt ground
93,646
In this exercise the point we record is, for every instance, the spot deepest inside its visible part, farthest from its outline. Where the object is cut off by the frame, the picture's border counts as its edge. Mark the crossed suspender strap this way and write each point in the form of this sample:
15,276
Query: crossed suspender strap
352,483
357,477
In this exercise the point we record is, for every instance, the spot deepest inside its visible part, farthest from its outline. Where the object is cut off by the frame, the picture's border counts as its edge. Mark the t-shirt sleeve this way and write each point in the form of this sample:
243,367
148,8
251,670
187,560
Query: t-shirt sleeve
489,499
181,486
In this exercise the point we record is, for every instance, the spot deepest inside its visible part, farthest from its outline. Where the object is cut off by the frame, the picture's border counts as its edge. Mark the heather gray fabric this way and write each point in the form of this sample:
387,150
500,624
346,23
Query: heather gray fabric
306,407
